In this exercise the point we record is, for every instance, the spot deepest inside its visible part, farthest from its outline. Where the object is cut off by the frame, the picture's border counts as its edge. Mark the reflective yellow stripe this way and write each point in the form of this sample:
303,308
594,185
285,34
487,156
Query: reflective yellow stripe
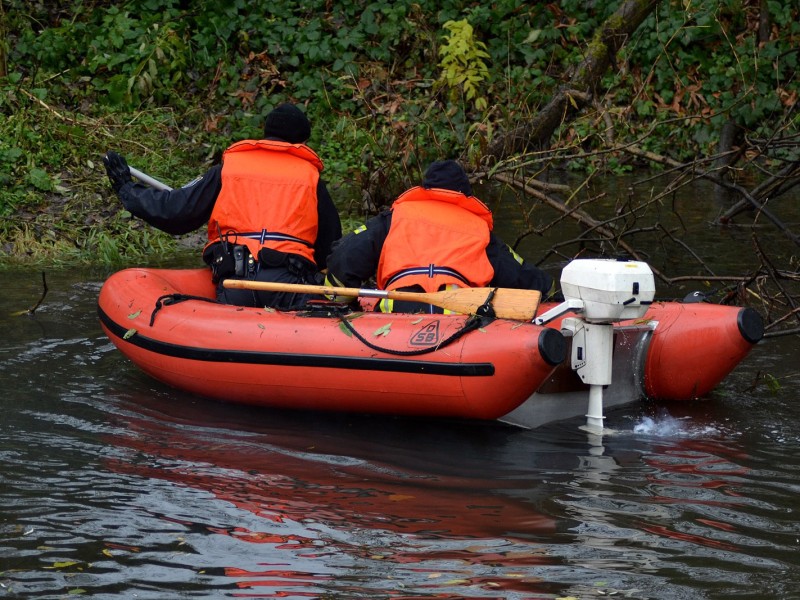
516,256
330,280
450,286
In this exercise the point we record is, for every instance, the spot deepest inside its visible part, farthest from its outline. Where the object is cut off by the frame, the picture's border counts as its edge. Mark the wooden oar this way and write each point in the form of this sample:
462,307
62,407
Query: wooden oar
507,303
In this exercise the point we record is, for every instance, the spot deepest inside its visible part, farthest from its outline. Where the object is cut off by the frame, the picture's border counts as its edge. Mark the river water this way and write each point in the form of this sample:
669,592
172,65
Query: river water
114,486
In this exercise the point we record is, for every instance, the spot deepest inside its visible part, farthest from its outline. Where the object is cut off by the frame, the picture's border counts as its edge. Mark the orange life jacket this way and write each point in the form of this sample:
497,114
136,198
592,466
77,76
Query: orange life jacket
268,197
437,238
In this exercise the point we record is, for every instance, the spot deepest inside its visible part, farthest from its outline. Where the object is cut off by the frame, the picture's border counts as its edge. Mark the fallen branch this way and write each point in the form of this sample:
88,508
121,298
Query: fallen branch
33,308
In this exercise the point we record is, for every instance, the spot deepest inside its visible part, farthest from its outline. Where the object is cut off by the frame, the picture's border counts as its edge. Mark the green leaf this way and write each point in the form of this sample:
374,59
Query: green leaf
40,179
384,330
533,35
129,334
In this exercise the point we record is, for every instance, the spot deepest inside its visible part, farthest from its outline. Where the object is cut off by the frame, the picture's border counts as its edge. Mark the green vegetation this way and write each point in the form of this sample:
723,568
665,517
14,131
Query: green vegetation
389,86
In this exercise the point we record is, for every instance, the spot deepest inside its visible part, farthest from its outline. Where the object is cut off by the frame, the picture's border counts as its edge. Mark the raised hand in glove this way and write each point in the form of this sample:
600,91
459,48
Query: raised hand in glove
118,171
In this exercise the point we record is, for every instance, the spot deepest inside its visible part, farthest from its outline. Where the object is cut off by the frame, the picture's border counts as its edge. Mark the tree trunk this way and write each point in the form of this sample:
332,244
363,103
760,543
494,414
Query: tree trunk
609,39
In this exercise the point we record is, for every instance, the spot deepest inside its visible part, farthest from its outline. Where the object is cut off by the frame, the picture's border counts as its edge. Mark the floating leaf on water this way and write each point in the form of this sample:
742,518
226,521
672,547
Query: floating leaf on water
773,384
130,333
62,564
107,552
136,314
76,591
399,497
384,331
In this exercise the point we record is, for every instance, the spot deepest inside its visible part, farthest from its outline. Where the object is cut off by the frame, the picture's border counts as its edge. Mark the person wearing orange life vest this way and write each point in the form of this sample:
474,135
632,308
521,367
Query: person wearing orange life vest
269,214
434,236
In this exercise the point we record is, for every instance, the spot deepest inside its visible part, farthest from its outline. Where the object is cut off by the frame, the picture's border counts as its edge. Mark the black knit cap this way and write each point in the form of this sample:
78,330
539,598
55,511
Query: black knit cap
447,175
288,123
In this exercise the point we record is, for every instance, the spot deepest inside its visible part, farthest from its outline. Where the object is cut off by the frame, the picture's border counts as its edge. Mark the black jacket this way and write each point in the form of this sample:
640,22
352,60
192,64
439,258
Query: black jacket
188,208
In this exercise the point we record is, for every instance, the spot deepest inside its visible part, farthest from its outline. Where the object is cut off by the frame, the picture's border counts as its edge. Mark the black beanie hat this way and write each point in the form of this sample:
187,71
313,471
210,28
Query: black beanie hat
288,123
447,175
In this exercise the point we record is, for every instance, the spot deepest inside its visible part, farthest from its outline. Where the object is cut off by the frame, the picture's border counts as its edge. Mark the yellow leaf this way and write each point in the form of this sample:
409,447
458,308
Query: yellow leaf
399,497
129,334
136,314
63,564
107,552
572,101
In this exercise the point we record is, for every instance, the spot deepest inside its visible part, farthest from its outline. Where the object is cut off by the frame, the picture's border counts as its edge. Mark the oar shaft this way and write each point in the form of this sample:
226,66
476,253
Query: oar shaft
145,178
519,305
300,288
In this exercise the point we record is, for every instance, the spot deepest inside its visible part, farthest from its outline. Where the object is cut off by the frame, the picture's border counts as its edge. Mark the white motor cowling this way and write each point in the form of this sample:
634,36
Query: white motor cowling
610,290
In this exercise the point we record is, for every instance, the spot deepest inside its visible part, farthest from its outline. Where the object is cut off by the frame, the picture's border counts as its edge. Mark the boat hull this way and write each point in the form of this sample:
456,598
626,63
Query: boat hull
310,360
402,365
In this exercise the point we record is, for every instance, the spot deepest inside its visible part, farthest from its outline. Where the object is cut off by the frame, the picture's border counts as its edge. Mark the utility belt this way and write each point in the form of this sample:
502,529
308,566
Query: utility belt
235,260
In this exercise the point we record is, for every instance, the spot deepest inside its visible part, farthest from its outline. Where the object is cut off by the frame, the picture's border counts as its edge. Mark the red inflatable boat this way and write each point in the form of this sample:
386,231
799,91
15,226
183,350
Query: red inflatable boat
166,322
401,364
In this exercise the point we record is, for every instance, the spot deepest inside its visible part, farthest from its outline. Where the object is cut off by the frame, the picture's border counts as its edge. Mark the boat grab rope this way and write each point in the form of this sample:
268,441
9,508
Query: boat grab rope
169,299
471,324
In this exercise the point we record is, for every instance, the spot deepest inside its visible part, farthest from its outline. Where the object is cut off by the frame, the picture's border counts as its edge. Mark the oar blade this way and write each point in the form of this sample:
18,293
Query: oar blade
507,303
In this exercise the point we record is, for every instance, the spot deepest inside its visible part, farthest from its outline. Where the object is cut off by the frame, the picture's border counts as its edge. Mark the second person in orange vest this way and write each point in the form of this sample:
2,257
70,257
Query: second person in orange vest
434,236
269,214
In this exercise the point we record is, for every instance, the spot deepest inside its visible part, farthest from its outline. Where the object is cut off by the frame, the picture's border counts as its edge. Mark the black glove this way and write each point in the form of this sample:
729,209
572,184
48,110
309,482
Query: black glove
118,171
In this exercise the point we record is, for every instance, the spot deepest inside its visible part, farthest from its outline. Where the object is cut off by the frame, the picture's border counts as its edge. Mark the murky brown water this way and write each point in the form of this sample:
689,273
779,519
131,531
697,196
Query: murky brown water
113,486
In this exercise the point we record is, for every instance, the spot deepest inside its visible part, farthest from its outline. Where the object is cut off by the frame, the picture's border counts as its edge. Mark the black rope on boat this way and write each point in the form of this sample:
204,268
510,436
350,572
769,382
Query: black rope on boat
169,299
471,324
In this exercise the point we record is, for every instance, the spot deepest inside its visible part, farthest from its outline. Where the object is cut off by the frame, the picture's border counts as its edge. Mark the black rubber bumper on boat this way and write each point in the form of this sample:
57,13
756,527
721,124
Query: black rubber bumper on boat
751,325
552,347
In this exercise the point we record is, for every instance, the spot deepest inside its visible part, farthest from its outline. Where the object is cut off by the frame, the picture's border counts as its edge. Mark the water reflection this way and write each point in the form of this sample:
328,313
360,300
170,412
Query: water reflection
113,486
320,510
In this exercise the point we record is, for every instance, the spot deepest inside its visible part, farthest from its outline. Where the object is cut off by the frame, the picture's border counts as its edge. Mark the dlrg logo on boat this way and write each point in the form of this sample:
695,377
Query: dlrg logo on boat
427,336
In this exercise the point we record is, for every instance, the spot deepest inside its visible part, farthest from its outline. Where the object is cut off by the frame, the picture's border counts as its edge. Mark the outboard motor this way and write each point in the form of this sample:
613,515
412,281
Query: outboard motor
600,292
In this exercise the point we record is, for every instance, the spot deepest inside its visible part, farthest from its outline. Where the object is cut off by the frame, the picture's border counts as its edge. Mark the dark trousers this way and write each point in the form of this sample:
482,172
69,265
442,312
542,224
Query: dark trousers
279,300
